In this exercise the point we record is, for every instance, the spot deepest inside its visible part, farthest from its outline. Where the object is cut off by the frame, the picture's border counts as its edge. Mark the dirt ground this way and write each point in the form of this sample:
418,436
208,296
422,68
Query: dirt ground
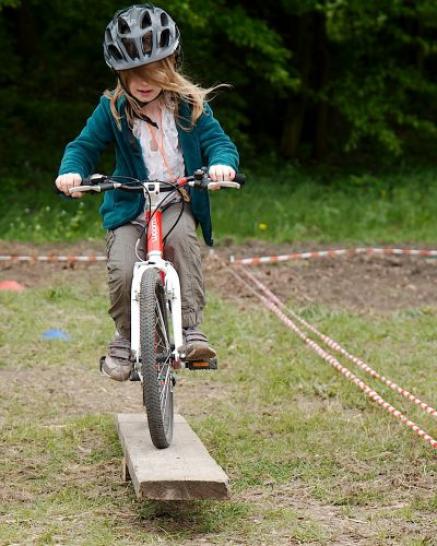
359,283
367,283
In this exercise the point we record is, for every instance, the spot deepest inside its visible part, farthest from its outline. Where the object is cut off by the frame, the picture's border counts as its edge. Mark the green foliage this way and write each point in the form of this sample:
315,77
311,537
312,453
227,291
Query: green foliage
287,206
9,4
310,78
384,76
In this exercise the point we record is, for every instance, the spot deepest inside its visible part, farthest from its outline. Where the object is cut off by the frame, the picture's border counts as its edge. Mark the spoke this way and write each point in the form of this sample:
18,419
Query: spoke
162,349
165,391
160,324
161,364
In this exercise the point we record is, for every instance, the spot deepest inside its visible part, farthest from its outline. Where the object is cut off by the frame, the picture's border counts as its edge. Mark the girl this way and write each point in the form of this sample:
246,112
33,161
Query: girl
162,129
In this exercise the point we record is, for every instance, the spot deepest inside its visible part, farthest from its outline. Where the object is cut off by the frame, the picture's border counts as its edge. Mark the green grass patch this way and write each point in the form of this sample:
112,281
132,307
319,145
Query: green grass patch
288,205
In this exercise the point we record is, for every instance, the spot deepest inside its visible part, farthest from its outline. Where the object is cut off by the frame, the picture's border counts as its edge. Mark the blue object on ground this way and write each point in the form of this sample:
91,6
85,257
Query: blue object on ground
55,333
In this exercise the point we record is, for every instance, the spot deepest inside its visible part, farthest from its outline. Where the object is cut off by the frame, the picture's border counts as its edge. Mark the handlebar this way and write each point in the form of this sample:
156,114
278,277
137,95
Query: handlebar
100,183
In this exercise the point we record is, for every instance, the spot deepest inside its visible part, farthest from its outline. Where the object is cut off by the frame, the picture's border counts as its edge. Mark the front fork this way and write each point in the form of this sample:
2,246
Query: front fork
173,300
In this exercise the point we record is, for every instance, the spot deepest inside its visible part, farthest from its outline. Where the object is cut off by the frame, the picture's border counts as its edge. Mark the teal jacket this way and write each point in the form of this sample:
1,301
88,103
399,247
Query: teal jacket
205,144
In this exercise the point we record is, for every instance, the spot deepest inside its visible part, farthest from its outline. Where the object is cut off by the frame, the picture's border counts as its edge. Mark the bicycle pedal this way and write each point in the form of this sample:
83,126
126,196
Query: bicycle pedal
208,364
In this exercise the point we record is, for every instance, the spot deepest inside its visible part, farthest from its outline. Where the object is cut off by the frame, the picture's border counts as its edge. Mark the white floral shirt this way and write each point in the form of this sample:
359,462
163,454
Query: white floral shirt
153,158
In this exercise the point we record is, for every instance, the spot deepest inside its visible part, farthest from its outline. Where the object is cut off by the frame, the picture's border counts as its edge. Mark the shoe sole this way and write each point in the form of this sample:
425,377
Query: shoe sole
105,373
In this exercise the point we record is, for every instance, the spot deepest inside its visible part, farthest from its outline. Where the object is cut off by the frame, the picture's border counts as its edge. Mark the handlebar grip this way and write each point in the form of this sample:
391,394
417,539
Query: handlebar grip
107,186
225,184
82,188
96,188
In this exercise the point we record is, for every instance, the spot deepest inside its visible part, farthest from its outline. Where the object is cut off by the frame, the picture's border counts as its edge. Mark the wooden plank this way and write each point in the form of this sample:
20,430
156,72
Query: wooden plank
183,471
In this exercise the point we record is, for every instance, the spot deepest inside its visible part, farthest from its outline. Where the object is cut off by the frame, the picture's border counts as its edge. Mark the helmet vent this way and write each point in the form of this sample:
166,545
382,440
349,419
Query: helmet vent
165,38
146,21
164,19
113,52
130,47
147,42
123,26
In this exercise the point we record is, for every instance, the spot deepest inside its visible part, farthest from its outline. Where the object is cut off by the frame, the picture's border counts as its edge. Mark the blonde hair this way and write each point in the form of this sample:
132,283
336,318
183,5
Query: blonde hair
176,88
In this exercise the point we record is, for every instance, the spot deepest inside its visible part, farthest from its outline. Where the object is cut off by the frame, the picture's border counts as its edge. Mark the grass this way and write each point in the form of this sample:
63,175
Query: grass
293,205
311,459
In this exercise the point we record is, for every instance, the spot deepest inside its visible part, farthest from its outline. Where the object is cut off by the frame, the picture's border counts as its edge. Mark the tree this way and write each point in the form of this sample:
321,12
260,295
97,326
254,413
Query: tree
310,77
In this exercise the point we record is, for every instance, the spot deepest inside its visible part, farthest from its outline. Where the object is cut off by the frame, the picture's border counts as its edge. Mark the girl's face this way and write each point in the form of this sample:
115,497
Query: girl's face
140,89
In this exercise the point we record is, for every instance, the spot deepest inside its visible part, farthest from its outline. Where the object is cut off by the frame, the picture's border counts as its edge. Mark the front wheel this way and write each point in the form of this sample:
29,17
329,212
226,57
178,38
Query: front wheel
156,359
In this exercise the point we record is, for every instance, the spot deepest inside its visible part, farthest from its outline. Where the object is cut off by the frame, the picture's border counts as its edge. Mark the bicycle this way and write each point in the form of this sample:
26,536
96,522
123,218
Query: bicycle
156,341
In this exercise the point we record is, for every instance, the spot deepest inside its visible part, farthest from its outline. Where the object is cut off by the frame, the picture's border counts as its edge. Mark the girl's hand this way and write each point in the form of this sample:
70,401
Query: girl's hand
66,181
219,173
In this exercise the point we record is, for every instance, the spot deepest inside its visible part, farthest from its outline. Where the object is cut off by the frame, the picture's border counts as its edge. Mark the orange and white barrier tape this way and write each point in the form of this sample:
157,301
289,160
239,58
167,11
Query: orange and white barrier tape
334,362
51,258
256,260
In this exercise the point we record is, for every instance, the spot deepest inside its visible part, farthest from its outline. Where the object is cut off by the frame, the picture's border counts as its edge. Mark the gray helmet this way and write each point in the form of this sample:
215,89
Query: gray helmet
139,35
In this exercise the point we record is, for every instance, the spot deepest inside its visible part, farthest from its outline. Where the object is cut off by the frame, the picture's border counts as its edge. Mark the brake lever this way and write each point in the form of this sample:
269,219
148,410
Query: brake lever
94,179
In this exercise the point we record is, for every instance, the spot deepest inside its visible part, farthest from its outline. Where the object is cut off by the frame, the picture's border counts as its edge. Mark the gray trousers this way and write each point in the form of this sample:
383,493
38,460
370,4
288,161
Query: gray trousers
182,249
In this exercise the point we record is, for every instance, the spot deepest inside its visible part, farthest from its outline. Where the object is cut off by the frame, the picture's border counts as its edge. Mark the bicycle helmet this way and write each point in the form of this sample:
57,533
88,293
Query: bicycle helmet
140,35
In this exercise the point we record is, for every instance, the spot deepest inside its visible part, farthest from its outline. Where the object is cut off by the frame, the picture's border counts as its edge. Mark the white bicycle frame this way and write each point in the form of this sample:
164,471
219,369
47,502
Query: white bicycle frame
154,260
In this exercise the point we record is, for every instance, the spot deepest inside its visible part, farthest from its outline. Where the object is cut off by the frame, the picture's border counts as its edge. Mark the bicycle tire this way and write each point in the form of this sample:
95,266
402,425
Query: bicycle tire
155,344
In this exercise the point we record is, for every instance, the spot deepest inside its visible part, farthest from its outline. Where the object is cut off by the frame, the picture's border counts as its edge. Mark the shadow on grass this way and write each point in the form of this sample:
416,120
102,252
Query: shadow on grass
192,518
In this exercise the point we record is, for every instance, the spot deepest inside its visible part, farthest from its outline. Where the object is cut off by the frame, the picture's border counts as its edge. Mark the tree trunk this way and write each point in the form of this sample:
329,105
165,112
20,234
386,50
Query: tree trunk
297,103
420,53
28,42
320,145
292,129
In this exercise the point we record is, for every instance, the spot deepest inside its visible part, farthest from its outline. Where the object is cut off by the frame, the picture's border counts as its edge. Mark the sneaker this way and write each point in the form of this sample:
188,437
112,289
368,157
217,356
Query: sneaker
117,363
196,345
